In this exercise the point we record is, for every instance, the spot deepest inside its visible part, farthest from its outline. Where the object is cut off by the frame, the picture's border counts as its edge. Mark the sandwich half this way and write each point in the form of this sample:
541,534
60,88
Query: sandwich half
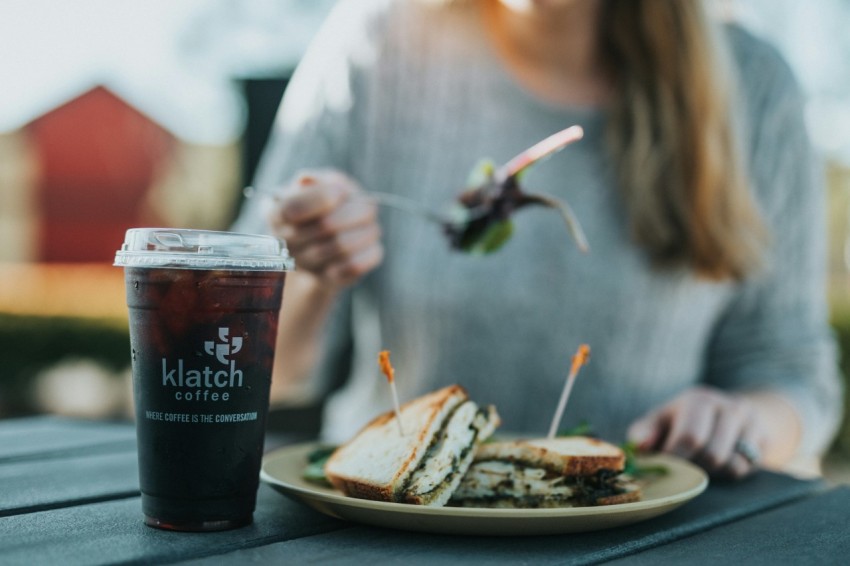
423,466
574,471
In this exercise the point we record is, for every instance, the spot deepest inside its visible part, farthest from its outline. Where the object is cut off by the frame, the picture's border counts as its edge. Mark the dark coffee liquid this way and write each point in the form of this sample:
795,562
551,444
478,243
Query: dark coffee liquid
203,346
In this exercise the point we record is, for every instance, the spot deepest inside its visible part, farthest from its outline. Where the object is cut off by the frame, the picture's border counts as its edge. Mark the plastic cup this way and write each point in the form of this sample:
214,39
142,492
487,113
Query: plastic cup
203,311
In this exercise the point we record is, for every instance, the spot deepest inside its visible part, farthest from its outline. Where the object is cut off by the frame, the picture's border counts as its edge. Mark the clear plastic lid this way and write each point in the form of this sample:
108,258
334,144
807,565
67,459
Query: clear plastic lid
202,249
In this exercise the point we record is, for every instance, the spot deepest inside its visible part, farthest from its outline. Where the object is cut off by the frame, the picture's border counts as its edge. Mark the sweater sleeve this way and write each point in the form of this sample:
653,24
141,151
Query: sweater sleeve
315,128
775,334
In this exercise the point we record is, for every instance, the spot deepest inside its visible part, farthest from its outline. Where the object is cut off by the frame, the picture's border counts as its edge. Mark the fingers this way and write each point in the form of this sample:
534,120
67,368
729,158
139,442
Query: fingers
311,196
338,221
707,427
648,432
691,427
344,256
327,246
744,462
732,422
329,232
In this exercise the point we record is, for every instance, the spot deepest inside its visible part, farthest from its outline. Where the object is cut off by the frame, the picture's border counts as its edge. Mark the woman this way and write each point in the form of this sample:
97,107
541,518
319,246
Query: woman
702,295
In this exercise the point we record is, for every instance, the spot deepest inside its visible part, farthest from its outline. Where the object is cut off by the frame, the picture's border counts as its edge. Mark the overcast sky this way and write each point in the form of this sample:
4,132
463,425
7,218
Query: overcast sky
173,59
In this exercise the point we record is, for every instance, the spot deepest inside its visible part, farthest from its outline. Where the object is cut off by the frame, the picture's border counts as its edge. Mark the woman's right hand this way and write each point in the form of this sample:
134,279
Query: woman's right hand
331,234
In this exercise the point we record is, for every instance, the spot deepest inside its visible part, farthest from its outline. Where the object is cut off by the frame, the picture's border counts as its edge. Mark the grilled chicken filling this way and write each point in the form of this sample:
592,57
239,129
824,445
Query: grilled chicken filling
494,480
450,452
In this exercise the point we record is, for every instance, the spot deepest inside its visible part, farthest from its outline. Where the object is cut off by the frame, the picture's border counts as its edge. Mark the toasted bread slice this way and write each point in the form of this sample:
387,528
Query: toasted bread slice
631,495
379,463
566,456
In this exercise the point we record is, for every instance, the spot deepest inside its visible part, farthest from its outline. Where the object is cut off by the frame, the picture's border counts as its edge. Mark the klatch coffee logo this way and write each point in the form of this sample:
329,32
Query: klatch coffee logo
214,381
209,383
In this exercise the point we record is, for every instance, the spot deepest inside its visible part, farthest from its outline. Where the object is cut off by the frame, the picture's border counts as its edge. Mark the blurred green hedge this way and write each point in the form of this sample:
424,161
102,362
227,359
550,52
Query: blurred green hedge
29,345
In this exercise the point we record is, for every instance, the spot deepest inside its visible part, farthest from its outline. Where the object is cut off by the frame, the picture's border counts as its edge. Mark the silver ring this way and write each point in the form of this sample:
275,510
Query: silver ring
748,451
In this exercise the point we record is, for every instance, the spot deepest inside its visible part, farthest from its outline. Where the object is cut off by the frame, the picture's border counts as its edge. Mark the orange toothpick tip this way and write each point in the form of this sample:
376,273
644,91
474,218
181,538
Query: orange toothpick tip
386,366
581,357
387,369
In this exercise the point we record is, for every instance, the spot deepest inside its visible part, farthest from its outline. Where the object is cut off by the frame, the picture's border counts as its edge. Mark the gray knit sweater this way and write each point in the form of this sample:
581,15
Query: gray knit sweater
406,98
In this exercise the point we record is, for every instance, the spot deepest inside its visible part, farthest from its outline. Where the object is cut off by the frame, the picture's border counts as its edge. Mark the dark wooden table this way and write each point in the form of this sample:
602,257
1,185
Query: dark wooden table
69,495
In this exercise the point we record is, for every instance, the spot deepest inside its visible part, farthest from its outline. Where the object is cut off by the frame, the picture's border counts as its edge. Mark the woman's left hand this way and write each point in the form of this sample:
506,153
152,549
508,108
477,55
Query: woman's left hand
719,431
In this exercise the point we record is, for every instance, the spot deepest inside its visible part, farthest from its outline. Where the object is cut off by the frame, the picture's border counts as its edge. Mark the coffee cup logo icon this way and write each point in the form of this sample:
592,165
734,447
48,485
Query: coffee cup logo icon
225,347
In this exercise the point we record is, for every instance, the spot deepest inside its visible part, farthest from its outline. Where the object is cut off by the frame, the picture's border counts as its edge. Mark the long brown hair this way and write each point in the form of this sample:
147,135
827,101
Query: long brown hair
671,133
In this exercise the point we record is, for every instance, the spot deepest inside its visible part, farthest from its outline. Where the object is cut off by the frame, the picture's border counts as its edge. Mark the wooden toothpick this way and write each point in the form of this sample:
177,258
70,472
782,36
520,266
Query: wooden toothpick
581,357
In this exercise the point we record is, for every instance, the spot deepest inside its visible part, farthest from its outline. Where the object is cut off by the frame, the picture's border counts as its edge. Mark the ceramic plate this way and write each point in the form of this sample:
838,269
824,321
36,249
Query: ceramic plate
283,469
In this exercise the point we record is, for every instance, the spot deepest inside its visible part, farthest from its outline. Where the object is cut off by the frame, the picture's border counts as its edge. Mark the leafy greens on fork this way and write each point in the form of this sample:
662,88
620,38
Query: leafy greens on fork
498,194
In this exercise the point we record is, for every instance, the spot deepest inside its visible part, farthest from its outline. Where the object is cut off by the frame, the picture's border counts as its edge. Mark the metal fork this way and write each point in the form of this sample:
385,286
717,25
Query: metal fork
389,200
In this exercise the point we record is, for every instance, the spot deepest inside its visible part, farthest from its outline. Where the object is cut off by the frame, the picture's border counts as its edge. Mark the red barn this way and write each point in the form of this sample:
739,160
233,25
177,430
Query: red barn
97,158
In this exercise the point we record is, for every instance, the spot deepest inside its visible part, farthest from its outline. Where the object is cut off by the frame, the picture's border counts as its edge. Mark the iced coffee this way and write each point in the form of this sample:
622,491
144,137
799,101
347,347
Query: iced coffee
203,310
